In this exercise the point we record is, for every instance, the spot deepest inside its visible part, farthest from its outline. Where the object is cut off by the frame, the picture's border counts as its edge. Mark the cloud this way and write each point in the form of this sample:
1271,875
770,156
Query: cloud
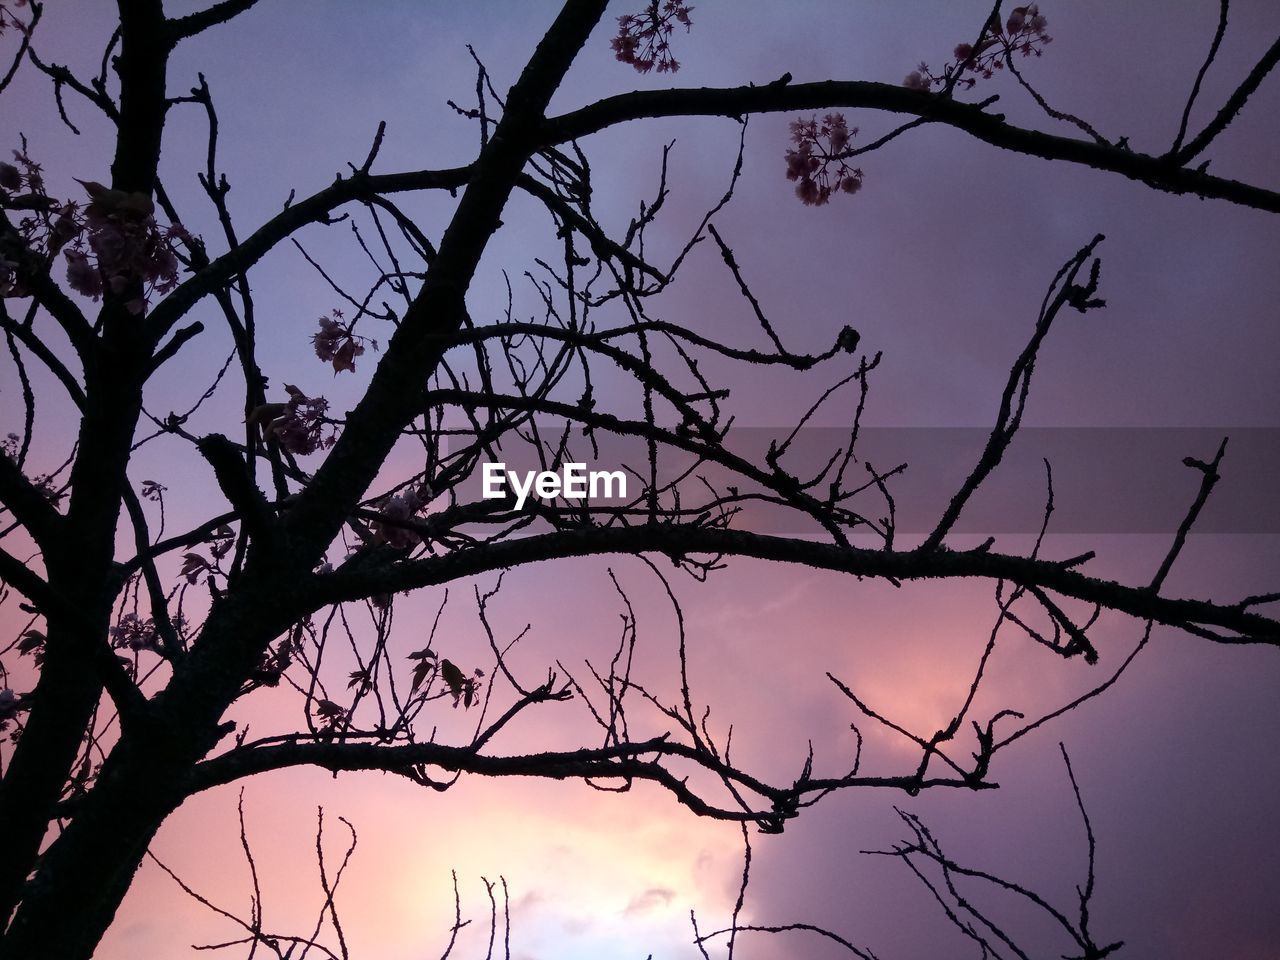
529,901
651,899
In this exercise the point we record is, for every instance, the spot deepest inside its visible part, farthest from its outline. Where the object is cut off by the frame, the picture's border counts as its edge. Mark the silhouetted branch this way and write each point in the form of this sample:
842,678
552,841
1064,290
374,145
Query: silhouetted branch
1223,7
1231,109
193,23
977,924
1162,173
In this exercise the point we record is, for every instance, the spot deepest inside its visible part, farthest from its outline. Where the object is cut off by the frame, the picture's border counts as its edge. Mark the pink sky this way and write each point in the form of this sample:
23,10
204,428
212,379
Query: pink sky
940,262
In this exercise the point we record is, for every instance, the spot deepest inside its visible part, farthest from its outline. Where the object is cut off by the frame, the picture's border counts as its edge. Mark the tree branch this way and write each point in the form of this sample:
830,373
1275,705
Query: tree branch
354,580
17,574
314,209
1235,103
618,761
1162,173
28,505
1223,8
190,25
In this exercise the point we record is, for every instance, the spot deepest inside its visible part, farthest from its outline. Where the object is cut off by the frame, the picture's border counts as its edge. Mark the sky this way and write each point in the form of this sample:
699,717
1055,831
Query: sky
940,262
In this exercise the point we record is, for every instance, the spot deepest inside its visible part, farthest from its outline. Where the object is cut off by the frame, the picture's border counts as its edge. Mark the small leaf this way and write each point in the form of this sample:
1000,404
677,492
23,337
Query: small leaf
31,640
421,672
454,677
328,710
192,565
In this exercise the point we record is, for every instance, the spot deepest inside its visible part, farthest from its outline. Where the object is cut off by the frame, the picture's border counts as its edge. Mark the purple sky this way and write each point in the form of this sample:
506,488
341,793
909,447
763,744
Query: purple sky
940,262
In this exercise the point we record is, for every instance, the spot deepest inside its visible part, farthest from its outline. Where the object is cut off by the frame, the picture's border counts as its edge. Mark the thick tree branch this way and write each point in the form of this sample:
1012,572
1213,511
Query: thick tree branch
236,482
622,761
28,505
22,578
354,580
190,25
1161,173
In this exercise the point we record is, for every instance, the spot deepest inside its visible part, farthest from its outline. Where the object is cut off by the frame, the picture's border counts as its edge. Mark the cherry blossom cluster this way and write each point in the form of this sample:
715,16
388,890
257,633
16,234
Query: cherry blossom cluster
298,425
125,247
301,428
395,510
1023,33
644,39
132,632
336,344
113,244
817,162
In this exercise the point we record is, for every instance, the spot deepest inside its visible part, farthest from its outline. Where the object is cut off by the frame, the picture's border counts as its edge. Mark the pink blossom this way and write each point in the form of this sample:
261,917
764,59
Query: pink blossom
300,426
399,508
128,245
817,162
1022,33
837,131
82,275
65,229
336,344
134,633
643,39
